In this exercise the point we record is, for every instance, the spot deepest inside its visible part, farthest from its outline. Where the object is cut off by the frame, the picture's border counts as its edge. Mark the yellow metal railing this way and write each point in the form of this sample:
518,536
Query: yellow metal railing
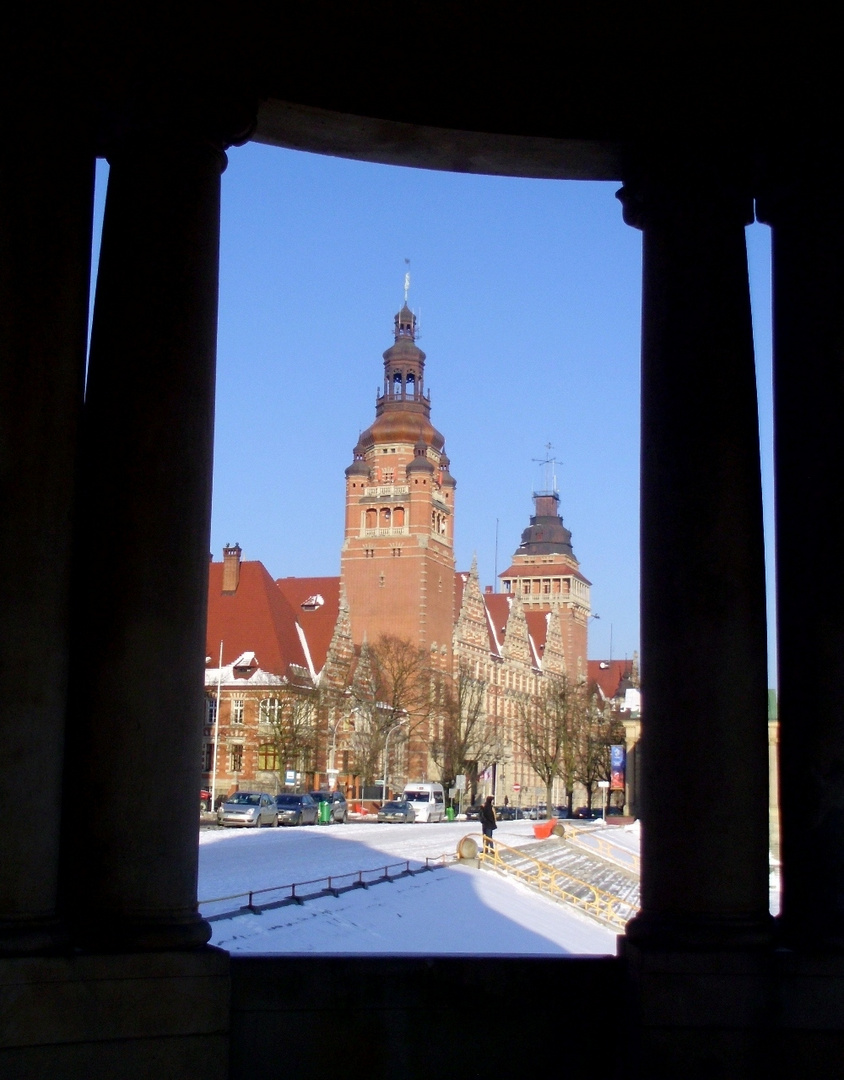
601,905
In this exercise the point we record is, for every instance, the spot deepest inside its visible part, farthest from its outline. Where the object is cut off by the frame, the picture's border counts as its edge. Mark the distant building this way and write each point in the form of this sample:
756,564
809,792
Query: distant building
299,641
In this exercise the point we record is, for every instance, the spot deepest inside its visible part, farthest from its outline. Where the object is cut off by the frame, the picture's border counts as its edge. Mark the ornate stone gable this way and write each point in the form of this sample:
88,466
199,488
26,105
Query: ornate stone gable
516,641
553,657
471,631
339,659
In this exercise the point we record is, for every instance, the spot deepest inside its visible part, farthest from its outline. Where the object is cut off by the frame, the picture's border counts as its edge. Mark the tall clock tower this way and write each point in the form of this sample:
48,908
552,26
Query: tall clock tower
397,564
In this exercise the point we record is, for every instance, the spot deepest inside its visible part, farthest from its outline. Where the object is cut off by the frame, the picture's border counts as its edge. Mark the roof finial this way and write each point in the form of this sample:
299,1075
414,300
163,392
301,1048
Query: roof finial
406,280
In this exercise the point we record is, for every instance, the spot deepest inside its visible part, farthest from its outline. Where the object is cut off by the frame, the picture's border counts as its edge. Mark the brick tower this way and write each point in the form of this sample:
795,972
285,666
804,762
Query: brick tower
397,564
546,576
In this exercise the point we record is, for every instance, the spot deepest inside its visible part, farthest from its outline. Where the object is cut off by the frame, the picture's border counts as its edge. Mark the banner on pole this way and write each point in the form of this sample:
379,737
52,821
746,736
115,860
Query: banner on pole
618,756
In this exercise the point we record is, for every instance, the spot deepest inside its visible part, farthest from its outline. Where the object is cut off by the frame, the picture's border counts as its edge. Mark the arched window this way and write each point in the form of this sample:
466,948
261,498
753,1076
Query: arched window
371,519
398,517
385,517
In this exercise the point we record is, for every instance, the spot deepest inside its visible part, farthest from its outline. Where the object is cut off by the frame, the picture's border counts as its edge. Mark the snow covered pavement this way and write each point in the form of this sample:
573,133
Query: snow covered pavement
454,909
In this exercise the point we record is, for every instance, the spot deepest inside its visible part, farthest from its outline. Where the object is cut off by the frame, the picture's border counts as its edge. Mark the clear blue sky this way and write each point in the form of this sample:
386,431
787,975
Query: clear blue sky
528,294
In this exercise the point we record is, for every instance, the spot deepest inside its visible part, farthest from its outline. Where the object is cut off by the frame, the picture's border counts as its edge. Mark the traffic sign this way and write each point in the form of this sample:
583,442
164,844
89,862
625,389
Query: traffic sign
517,787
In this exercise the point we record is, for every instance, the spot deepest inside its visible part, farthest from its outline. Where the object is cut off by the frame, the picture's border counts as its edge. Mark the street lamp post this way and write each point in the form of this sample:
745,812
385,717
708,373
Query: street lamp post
395,727
216,732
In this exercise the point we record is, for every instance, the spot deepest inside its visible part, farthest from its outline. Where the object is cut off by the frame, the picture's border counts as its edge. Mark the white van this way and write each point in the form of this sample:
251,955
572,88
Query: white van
428,800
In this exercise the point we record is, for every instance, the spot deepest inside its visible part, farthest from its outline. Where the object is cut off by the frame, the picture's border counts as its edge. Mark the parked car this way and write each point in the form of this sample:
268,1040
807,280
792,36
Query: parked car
337,801
248,808
561,811
397,811
204,800
587,813
296,809
473,812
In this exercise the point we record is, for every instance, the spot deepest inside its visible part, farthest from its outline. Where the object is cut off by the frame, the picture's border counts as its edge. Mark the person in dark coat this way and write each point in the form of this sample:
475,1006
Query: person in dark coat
488,823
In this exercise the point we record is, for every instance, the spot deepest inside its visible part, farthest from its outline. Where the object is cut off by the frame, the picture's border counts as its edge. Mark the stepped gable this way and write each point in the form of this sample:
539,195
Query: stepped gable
553,653
472,629
315,604
254,616
340,659
517,644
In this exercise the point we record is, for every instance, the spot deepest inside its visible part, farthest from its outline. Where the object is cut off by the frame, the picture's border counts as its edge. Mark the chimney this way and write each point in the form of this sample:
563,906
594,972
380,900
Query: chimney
231,568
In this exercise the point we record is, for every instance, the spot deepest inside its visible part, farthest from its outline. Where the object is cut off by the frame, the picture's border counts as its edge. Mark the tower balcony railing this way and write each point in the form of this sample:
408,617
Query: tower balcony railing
398,530
387,489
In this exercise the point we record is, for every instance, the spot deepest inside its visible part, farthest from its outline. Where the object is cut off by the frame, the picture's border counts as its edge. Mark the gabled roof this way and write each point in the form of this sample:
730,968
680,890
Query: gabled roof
256,618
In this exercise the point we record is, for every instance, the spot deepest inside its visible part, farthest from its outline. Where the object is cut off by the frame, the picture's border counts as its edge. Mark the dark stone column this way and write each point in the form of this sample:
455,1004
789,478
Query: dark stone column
704,783
136,721
807,222
46,208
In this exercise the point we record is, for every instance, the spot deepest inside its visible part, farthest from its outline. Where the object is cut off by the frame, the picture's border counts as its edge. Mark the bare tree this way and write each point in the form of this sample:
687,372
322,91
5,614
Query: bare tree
390,687
599,728
288,721
464,738
550,720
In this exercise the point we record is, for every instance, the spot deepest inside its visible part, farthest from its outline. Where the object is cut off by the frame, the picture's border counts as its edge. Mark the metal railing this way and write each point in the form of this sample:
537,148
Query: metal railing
603,906
300,891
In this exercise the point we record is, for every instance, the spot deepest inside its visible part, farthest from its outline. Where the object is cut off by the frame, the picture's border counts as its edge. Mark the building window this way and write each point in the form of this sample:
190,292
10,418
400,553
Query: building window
267,757
269,710
237,710
236,758
388,476
208,757
210,711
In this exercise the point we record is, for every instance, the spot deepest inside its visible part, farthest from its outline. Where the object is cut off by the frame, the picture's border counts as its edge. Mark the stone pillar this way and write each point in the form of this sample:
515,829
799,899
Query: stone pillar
46,210
697,956
704,795
137,707
806,217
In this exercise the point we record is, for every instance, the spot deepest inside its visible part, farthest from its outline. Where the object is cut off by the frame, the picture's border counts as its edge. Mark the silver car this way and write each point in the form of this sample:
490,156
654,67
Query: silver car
249,808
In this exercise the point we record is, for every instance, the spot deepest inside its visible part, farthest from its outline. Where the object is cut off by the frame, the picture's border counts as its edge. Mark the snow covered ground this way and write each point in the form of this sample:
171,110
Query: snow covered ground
452,909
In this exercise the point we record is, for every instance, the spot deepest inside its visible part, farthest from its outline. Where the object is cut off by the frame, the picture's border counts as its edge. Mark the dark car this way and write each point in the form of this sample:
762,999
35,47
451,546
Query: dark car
338,808
296,809
397,811
587,813
473,812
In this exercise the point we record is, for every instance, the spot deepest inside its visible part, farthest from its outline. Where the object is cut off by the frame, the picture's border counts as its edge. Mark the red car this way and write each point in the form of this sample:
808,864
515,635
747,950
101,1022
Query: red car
204,800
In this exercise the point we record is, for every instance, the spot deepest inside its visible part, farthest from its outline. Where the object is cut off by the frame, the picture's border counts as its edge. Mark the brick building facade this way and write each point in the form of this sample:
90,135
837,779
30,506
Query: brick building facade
295,647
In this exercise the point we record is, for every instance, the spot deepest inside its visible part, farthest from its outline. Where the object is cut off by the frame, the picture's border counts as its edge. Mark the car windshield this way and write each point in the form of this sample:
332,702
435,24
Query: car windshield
320,795
417,796
244,798
288,800
395,806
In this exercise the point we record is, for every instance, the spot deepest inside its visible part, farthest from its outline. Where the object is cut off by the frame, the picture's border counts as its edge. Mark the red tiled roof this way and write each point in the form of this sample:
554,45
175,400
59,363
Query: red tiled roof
608,674
256,618
317,622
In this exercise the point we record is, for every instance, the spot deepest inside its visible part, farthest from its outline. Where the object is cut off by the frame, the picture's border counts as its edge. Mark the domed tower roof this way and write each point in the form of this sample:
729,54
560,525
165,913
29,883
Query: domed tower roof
421,462
403,410
358,466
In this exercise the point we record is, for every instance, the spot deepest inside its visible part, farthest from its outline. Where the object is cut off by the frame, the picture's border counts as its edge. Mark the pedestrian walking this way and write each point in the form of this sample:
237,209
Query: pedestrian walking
488,824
